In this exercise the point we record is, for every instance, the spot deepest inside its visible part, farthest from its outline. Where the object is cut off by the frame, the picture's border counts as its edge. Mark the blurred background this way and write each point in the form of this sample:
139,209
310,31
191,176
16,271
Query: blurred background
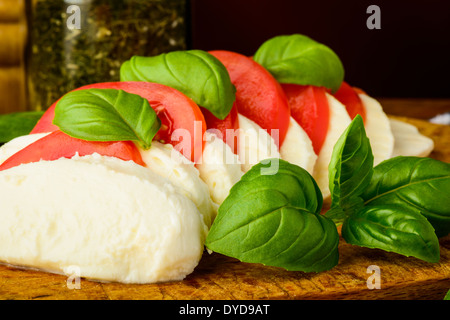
12,45
407,58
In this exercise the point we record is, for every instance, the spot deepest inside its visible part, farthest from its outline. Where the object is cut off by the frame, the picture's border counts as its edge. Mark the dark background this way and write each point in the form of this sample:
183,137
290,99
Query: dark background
408,57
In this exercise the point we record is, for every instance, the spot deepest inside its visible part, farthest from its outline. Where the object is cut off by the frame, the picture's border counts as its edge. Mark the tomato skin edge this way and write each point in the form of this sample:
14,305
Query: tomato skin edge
231,122
259,96
310,108
349,97
57,145
45,123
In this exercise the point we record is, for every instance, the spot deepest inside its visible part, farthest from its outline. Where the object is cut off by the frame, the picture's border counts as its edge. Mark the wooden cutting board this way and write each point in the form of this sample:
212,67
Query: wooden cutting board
220,277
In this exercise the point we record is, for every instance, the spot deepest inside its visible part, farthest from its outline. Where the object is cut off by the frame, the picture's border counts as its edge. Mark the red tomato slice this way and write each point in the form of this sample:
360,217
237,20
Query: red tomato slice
259,96
58,145
309,107
348,96
231,122
180,116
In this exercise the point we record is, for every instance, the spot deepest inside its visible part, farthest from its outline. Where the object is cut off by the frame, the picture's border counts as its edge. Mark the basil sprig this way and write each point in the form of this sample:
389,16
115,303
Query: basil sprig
15,124
298,59
395,206
402,205
418,184
275,220
107,115
350,170
392,228
196,73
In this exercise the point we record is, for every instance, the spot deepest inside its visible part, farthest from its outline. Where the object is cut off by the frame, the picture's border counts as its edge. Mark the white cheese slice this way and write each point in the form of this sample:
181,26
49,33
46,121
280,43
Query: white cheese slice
408,141
219,167
378,129
339,121
113,220
255,144
297,147
164,160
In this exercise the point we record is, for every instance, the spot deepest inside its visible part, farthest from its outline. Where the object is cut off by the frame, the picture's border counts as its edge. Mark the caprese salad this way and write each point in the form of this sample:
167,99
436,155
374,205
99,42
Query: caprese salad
123,179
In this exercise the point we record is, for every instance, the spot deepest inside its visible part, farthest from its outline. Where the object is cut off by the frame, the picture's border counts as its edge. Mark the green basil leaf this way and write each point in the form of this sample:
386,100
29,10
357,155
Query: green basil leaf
275,220
447,296
196,73
350,170
107,115
419,184
392,228
298,59
16,124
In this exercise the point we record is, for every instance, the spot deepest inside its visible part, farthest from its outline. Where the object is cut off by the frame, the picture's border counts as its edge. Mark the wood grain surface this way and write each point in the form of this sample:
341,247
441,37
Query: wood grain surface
221,278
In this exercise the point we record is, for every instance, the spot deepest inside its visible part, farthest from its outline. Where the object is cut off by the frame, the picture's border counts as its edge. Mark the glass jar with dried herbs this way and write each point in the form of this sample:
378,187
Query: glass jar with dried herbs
72,43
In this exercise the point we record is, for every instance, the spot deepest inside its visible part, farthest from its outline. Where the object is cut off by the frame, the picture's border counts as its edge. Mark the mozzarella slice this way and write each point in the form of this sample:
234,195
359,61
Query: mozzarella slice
164,160
113,220
408,141
297,147
17,144
378,129
339,121
255,144
219,167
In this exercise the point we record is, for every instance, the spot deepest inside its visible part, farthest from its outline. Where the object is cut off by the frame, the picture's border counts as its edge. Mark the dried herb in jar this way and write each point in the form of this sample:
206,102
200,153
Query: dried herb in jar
60,58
